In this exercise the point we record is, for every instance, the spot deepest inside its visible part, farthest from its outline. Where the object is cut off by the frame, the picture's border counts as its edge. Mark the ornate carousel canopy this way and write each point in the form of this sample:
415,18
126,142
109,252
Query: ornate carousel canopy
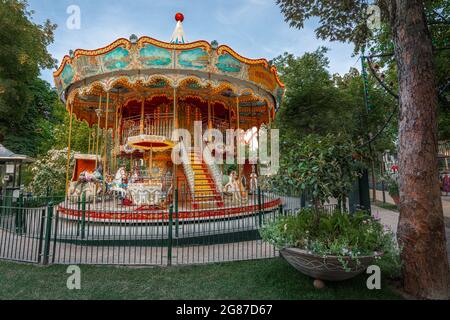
126,72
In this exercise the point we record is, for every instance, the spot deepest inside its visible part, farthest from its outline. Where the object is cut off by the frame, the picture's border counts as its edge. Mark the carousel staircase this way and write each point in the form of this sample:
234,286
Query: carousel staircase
205,194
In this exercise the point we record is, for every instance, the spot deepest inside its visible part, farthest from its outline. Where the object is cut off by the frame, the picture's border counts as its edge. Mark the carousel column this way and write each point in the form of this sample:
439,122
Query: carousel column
89,142
238,138
68,149
269,112
142,116
99,115
113,141
105,156
175,127
210,124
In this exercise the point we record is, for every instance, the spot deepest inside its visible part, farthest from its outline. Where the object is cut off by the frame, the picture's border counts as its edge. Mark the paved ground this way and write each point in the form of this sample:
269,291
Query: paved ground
390,219
445,201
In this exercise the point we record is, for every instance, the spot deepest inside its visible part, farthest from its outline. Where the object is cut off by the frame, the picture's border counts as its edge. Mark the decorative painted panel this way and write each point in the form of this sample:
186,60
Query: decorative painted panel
153,56
87,66
259,74
227,63
196,58
67,74
119,58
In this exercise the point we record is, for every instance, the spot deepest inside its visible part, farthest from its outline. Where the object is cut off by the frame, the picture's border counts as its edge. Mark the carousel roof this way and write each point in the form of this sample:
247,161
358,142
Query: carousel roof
156,65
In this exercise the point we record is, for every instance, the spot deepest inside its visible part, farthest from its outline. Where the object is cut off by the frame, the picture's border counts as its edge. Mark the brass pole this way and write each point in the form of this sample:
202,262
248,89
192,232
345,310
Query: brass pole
209,120
238,124
229,116
89,143
116,134
68,148
98,131
106,140
175,126
142,115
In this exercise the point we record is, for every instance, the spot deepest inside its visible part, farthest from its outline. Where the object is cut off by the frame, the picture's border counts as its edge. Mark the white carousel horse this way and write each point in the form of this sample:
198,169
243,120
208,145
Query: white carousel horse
253,182
119,184
233,187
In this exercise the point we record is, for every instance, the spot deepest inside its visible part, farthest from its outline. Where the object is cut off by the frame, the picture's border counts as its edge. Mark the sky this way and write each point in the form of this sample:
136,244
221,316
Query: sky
253,28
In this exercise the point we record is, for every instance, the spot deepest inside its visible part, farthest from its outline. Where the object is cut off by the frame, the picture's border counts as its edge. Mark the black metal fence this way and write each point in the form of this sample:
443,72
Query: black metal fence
110,230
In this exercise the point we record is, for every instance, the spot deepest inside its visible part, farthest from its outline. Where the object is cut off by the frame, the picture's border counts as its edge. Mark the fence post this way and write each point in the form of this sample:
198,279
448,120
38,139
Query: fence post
41,235
83,215
303,199
170,236
19,214
280,210
177,221
48,231
259,207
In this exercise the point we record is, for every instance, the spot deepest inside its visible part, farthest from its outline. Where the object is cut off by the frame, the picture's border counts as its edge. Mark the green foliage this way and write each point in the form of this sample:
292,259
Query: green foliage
80,134
312,102
338,234
393,188
321,165
339,20
319,103
24,99
50,172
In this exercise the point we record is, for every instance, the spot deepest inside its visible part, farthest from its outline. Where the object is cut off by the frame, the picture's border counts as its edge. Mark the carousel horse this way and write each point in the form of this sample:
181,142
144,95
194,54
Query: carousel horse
136,176
120,183
233,188
253,182
87,183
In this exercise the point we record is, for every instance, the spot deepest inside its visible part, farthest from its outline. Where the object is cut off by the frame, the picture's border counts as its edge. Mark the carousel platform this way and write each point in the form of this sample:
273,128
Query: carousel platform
113,211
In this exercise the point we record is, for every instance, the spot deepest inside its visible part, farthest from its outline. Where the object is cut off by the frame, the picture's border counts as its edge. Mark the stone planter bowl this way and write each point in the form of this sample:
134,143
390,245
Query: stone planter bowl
329,268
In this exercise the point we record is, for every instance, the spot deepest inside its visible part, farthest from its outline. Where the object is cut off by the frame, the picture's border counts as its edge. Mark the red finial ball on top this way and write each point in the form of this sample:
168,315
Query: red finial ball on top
179,17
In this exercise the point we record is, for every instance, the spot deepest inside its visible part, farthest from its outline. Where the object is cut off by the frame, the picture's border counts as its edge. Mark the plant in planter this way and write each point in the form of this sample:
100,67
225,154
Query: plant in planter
340,247
322,165
324,246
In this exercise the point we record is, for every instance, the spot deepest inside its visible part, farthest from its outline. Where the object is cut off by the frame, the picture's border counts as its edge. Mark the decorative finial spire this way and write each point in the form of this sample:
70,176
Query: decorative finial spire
178,33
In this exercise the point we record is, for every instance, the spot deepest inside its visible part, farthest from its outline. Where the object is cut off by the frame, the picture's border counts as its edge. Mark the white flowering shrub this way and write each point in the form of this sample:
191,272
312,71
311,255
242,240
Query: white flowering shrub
49,172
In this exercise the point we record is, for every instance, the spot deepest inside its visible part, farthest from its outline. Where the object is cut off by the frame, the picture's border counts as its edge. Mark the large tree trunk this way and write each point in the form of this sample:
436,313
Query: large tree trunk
421,229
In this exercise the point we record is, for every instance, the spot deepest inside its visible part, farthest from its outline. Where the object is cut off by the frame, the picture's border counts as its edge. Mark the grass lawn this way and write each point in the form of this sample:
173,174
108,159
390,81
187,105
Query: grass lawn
263,279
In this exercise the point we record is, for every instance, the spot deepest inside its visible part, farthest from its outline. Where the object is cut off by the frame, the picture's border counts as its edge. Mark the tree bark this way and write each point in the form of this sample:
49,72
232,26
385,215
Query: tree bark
421,229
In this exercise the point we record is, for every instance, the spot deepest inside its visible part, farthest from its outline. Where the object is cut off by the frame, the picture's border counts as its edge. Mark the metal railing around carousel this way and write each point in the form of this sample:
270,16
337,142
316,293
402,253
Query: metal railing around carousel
145,229
154,125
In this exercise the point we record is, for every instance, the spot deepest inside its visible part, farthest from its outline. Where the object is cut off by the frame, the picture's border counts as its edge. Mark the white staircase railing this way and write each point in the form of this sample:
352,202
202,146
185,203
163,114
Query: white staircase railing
188,171
213,169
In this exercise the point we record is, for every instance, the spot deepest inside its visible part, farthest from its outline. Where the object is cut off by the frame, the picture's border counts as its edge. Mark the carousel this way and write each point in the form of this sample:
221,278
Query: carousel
136,95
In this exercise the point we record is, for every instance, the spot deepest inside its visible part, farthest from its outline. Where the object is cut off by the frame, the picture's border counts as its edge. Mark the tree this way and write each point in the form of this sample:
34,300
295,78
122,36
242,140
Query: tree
421,229
321,165
23,51
318,103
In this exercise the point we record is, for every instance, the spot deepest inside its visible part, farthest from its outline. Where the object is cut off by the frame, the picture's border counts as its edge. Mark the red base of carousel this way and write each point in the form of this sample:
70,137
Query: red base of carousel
124,214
